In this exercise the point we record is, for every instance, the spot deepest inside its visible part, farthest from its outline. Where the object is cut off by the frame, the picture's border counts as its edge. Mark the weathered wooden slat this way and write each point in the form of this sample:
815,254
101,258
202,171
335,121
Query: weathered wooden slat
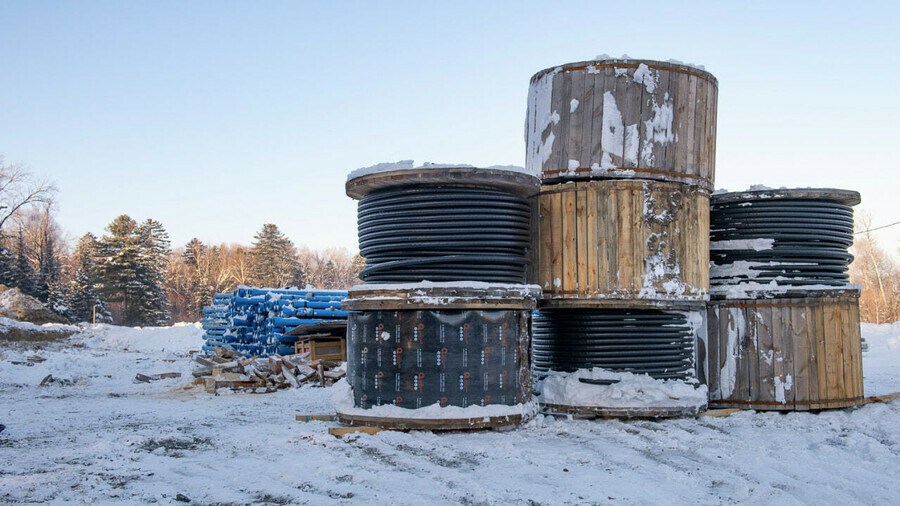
570,244
581,233
599,88
575,132
812,346
799,354
553,164
587,121
545,239
592,224
700,156
834,355
558,241
631,118
712,353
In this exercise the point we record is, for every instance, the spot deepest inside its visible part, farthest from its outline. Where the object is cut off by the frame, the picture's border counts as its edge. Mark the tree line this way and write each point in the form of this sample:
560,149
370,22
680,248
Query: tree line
131,275
877,272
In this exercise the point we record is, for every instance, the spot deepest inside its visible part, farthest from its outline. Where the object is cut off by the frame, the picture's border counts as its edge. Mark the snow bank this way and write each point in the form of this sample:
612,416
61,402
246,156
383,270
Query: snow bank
179,338
631,391
9,323
342,398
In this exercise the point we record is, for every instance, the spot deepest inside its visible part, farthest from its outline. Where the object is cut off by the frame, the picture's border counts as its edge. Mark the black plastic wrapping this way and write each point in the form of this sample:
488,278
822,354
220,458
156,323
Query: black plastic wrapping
413,359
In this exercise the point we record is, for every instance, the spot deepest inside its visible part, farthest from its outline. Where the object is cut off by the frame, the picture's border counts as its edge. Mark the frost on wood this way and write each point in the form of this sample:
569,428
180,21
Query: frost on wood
539,136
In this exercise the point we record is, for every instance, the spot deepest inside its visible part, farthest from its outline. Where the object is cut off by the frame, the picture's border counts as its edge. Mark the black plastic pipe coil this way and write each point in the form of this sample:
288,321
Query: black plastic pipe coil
810,241
652,342
421,233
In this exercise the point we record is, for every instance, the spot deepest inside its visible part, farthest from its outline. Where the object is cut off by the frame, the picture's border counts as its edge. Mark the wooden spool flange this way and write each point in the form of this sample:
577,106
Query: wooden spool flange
846,197
513,181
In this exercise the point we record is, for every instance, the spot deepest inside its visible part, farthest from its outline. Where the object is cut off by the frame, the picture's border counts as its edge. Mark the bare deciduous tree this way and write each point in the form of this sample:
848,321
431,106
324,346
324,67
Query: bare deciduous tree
20,189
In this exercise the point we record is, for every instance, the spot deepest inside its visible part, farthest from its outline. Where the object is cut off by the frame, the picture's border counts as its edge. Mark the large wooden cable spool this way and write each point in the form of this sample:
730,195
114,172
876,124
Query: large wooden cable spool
415,346
795,351
444,224
621,239
619,118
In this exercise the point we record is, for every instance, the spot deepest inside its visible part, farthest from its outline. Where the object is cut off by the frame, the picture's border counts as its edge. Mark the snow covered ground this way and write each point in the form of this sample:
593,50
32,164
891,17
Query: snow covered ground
104,438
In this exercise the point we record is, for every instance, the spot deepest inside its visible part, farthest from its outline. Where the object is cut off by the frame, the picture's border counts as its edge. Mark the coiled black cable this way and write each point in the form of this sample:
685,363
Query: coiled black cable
642,341
807,241
418,233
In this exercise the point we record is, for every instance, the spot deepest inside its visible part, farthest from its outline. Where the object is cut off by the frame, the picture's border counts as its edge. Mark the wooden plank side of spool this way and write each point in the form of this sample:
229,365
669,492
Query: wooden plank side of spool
712,353
659,119
625,239
796,354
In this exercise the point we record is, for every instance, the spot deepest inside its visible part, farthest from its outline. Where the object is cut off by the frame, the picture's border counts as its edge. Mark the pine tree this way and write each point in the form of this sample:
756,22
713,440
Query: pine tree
80,295
23,276
7,264
156,247
131,270
273,259
199,284
48,267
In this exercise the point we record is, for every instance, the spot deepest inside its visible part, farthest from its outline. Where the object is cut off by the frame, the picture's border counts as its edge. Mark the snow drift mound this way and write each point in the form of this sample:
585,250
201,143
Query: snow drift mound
18,306
179,338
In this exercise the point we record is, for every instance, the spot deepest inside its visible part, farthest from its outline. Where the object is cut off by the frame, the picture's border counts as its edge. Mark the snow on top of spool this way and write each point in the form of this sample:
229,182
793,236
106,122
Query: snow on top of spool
760,193
606,60
411,165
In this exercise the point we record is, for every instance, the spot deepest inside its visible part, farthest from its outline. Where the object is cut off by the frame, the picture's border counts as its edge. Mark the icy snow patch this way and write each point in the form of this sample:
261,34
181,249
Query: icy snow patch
342,398
573,105
645,76
758,244
631,390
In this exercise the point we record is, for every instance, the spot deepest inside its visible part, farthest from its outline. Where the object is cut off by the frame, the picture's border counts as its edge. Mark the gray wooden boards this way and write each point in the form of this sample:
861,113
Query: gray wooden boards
622,118
786,353
510,180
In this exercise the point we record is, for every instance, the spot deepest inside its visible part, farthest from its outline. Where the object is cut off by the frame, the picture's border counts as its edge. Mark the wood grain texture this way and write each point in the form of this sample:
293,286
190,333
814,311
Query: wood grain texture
663,118
622,239
796,354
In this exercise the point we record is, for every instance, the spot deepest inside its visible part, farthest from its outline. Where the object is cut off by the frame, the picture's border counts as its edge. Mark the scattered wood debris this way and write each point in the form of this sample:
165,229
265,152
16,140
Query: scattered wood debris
143,378
228,369
343,431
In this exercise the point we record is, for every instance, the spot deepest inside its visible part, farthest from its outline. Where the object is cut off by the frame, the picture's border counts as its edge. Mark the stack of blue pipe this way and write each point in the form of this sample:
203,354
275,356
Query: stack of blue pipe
254,321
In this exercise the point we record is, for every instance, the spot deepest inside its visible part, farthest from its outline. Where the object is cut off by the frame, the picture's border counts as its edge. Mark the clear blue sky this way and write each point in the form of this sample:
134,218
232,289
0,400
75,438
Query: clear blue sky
217,117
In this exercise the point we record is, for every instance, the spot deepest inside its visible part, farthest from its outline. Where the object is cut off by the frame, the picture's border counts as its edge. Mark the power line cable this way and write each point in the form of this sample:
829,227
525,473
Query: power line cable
877,228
